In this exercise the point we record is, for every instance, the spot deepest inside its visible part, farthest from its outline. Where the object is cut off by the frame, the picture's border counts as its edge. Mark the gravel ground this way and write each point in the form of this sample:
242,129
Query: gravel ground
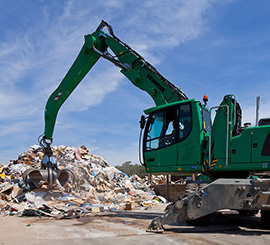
129,227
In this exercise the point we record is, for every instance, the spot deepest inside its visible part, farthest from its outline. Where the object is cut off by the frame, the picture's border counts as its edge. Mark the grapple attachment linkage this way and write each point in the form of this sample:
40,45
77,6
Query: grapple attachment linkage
49,172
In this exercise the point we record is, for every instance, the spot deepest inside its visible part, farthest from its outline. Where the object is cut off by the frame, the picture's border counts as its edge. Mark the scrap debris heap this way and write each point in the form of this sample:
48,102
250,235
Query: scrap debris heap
97,187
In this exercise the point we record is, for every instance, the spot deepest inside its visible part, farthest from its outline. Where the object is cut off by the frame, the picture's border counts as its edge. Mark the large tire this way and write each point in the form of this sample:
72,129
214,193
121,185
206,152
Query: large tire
265,218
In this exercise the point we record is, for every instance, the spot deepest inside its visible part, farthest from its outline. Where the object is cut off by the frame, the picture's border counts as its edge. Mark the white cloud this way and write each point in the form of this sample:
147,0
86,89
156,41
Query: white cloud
41,59
33,63
162,26
16,105
93,90
164,31
14,128
15,60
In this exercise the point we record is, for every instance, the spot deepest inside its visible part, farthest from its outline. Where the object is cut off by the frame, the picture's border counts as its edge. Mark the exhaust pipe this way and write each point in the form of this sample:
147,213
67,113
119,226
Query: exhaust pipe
257,110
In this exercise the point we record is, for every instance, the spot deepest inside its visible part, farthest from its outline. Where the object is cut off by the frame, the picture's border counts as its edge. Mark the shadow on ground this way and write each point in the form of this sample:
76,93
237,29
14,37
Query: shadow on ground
220,223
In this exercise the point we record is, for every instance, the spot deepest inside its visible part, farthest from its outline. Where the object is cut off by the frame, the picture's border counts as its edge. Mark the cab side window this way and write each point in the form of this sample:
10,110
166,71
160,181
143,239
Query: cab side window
161,131
185,122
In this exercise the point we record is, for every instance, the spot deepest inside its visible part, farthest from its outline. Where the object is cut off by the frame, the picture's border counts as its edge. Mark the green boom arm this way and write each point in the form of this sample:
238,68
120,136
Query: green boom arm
133,66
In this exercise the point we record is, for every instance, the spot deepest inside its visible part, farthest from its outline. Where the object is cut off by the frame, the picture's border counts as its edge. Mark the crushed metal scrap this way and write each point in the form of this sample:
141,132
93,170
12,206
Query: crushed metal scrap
98,186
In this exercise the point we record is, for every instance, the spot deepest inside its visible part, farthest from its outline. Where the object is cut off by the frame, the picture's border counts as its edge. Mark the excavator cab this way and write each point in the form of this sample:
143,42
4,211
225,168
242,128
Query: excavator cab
174,136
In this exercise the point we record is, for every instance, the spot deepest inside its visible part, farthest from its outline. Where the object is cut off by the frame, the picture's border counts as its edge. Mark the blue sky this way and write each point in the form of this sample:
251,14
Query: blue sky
202,46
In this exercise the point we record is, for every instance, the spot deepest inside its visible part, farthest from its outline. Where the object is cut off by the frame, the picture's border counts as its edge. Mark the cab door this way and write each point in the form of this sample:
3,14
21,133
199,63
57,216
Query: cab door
190,138
160,141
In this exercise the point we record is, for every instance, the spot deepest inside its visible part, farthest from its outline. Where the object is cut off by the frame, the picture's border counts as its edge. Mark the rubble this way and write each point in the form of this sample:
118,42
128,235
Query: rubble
98,186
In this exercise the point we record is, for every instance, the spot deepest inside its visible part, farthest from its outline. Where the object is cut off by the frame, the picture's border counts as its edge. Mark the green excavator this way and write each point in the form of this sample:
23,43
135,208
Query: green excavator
179,136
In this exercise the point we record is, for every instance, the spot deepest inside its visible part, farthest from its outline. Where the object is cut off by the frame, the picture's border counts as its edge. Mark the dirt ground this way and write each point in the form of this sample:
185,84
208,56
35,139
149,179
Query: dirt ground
129,227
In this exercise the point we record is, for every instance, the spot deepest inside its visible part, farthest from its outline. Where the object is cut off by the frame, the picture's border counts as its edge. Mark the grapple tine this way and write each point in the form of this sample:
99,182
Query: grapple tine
49,175
25,175
34,175
65,175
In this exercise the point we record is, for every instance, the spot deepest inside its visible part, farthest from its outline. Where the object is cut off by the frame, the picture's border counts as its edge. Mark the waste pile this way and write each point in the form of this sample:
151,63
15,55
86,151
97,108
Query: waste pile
97,186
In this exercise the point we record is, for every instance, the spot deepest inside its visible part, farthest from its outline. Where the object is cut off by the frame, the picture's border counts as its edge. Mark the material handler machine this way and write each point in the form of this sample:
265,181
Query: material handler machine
178,137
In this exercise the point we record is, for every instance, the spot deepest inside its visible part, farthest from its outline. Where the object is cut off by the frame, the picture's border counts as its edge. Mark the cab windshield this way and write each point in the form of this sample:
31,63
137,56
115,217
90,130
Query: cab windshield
168,126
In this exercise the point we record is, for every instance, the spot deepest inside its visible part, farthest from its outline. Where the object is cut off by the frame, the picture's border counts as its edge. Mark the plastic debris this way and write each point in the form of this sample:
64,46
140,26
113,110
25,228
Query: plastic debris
98,186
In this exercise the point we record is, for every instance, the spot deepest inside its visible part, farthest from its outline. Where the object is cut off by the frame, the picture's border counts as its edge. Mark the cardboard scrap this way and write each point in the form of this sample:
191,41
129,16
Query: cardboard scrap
98,186
130,206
